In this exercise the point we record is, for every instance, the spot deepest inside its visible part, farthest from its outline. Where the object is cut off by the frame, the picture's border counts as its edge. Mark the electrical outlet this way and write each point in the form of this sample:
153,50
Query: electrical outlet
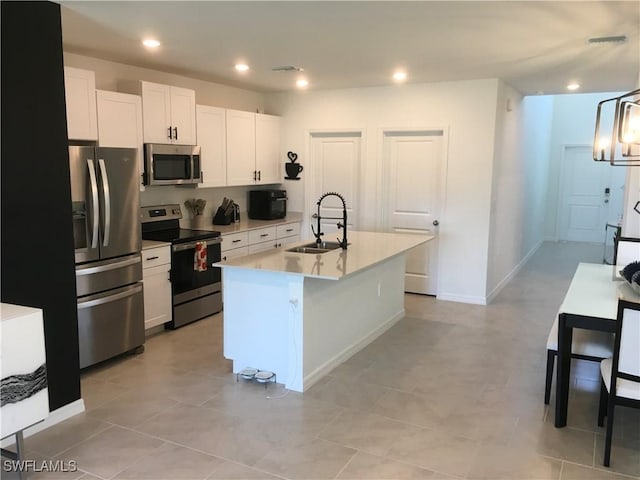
379,288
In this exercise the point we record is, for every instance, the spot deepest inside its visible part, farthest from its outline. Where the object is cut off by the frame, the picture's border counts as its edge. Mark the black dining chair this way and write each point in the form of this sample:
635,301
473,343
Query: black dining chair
620,374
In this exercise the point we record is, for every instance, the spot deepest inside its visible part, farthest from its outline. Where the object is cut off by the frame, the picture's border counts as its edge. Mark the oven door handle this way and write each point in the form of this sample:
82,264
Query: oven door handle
191,245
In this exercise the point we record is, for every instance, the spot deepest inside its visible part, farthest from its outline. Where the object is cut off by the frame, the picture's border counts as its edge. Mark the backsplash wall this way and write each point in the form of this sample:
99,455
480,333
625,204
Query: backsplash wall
161,195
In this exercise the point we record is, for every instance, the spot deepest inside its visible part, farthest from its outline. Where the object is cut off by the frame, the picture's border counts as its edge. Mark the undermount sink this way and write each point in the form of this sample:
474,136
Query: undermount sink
322,247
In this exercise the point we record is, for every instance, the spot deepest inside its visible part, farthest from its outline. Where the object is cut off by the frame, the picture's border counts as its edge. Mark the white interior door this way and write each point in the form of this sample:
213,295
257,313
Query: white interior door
414,166
336,167
590,196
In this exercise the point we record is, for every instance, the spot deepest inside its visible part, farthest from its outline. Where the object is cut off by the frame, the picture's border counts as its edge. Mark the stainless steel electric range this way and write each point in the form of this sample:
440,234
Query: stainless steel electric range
195,294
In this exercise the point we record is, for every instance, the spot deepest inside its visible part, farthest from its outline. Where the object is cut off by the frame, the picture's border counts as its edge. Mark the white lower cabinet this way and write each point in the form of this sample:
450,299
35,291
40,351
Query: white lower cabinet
156,263
235,245
259,240
288,233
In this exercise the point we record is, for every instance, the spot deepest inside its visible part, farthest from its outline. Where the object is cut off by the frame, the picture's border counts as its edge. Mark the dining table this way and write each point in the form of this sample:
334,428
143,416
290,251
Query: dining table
590,303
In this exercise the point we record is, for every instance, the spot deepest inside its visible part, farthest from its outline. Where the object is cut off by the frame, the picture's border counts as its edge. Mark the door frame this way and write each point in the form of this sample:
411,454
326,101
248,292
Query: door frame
312,169
383,180
562,190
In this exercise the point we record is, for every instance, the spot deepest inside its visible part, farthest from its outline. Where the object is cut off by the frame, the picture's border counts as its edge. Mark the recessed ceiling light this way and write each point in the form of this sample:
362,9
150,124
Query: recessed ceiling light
241,67
151,43
302,83
400,76
573,86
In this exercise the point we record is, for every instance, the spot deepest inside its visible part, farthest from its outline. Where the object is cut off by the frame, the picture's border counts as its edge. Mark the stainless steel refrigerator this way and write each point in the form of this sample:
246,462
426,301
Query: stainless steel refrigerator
106,227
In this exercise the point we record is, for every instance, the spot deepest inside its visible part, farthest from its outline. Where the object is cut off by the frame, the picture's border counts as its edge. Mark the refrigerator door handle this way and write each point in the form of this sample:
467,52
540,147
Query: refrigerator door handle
111,298
107,202
94,201
108,266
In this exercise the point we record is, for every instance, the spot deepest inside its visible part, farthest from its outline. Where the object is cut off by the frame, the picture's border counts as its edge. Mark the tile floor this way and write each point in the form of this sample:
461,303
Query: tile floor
451,391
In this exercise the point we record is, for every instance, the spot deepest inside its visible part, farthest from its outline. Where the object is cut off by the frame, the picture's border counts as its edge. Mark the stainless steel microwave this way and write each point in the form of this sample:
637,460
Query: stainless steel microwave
171,164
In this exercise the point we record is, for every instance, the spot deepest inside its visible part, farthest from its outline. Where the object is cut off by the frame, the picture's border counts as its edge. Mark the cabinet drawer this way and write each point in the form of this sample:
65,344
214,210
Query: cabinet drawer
288,230
234,240
235,252
156,256
262,247
262,235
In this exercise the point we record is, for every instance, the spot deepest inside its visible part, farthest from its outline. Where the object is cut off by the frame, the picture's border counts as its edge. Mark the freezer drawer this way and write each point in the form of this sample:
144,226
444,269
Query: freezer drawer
110,323
105,275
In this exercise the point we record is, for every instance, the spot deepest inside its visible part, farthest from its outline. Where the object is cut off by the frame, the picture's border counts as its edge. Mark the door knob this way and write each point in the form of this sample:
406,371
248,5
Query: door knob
436,223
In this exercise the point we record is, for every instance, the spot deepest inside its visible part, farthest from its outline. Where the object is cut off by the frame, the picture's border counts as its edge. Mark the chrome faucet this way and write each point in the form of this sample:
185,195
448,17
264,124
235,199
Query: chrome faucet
318,233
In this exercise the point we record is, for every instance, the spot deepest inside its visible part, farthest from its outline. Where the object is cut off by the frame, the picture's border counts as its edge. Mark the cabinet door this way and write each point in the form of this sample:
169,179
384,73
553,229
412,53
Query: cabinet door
183,116
241,148
120,122
157,296
80,99
211,135
156,112
235,253
268,148
262,247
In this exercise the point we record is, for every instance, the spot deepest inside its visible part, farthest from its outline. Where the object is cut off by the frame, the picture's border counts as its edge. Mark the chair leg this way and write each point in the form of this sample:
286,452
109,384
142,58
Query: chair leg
602,404
551,356
607,444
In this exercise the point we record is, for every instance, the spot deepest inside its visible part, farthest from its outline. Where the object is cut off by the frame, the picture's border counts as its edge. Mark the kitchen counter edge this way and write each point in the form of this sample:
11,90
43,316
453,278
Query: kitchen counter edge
365,250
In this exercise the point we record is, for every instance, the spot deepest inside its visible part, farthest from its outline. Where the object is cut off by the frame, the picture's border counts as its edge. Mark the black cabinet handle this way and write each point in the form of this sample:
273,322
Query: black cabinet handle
264,235
289,230
259,172
175,131
169,134
236,241
151,258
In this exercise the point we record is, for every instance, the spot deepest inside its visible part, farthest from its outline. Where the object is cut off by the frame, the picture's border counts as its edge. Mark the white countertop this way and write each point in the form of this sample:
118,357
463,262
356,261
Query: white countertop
147,244
365,249
245,223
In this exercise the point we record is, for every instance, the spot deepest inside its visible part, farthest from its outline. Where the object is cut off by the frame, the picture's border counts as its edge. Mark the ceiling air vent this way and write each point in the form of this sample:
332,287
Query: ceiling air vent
287,68
611,39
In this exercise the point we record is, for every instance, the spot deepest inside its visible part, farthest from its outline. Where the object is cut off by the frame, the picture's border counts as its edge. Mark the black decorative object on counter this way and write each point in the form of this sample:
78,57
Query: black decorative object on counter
293,169
226,213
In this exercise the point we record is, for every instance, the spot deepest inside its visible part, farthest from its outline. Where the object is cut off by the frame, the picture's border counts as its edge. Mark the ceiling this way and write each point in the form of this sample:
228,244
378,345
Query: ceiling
536,46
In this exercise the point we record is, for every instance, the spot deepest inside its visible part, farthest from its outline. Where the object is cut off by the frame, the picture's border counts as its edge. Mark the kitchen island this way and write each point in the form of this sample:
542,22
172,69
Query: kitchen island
299,315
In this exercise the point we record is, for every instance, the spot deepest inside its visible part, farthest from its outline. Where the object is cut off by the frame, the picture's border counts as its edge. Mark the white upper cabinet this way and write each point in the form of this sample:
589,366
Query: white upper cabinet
120,122
119,119
211,128
253,148
241,148
268,148
169,114
80,99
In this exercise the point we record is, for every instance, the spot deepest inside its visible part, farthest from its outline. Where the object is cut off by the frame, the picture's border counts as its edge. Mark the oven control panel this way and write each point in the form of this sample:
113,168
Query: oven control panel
156,213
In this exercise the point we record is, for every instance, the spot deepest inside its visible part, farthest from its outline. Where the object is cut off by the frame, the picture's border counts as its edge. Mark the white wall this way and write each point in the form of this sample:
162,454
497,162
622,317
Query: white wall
114,76
466,110
523,127
574,117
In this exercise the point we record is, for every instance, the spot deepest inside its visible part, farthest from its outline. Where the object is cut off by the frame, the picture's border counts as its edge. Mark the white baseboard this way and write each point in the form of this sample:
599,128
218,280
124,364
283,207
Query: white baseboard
513,273
313,377
59,415
453,297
